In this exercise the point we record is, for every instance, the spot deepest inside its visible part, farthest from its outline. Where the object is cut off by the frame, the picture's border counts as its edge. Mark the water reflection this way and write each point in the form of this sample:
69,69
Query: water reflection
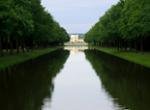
27,86
77,87
87,81
126,82
75,49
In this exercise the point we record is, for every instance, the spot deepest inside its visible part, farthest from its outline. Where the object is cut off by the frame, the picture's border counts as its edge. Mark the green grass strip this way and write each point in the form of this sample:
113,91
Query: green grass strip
142,58
9,60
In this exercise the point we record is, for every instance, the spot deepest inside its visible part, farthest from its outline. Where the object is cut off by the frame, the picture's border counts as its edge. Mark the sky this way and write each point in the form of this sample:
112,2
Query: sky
77,16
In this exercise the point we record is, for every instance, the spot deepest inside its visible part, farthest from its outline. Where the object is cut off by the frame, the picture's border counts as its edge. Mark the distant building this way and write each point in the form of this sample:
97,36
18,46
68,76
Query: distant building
77,38
74,38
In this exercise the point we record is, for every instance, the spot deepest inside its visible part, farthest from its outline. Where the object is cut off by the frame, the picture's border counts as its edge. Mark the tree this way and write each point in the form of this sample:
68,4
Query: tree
25,24
124,25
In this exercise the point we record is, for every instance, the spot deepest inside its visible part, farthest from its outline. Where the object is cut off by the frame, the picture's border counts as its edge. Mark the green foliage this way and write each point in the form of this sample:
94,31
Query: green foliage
124,25
25,24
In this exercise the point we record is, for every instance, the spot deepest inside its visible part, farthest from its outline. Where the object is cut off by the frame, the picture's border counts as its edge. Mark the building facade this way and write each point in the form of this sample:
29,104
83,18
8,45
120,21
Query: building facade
76,38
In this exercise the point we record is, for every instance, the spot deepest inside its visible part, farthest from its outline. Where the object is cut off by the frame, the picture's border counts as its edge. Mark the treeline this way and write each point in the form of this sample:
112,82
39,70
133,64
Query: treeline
125,25
24,25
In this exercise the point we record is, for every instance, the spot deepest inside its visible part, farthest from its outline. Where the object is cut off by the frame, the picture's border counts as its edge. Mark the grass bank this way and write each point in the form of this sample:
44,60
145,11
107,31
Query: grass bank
142,58
10,60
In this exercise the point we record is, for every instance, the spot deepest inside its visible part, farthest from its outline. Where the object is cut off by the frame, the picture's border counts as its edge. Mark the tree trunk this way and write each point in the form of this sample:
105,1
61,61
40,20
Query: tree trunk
17,46
11,46
23,47
141,45
7,46
1,48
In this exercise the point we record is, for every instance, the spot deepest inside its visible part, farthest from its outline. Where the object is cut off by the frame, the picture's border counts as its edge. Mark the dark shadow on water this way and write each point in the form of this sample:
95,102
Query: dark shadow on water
127,83
25,86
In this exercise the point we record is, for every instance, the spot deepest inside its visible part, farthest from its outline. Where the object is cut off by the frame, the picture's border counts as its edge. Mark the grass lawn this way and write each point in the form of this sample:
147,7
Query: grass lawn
142,58
9,60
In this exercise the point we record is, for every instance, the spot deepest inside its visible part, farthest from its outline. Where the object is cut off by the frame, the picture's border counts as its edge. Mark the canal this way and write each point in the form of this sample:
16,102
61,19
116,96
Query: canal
75,79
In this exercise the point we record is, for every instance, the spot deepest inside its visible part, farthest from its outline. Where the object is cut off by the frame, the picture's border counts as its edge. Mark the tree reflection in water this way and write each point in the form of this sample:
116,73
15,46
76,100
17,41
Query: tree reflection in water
126,82
25,86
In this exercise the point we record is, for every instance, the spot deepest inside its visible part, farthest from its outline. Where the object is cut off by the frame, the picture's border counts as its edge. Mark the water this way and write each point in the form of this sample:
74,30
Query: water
77,79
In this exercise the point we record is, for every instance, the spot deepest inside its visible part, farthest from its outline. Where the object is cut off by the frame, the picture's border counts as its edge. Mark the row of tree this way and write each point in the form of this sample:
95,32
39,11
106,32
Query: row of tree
24,25
125,25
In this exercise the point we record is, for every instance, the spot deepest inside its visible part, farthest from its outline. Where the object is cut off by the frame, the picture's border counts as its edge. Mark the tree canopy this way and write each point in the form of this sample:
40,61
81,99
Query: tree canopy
124,25
26,24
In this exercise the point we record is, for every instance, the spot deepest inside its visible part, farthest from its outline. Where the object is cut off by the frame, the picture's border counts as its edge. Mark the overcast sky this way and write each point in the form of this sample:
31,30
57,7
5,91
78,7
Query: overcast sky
77,16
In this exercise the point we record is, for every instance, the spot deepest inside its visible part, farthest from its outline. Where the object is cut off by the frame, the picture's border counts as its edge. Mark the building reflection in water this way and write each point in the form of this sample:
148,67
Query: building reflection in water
75,49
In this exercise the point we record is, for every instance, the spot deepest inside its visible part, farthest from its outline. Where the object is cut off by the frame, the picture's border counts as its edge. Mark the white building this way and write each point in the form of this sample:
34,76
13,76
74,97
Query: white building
76,38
